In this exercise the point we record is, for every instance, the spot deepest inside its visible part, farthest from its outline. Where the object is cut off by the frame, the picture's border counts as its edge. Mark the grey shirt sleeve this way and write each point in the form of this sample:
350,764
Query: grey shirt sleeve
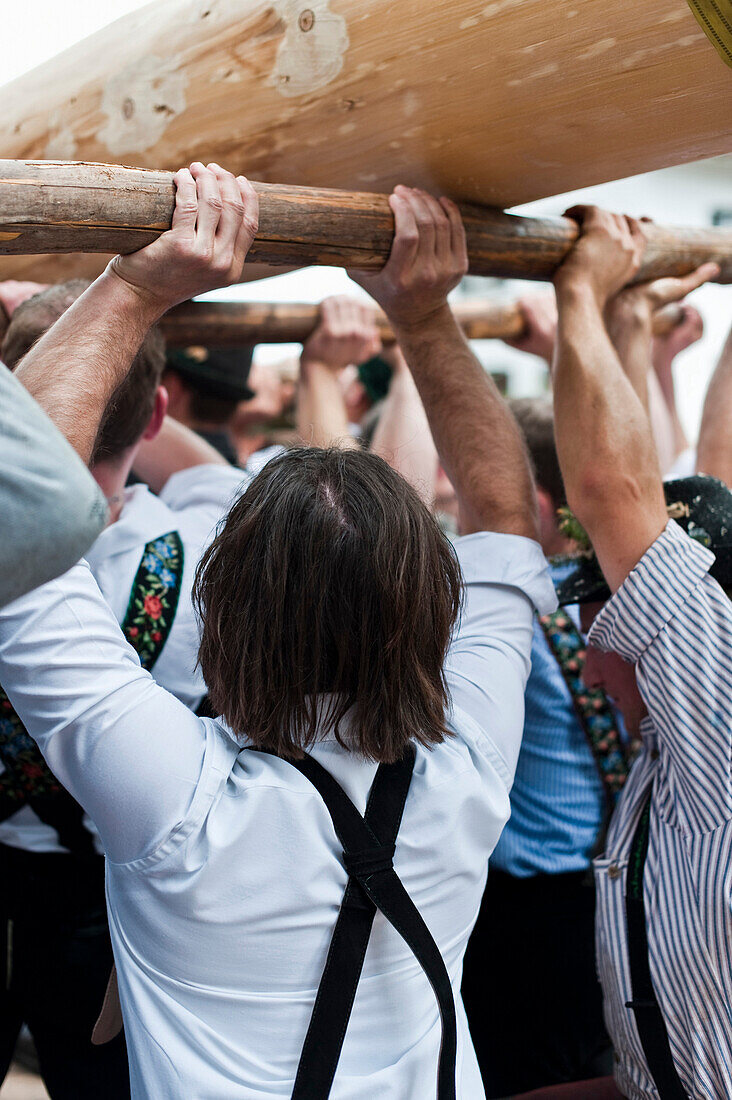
51,509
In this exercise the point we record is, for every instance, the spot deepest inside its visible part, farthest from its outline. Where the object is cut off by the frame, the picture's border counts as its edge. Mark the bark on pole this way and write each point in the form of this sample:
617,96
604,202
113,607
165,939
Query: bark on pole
234,324
48,207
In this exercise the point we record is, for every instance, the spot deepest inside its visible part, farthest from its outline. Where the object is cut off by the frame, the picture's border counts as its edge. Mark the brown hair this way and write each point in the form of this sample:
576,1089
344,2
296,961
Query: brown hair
329,576
535,417
131,405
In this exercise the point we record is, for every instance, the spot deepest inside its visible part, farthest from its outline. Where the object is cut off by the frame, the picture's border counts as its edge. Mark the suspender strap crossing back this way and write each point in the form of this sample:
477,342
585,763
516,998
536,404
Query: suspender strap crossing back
648,1016
368,849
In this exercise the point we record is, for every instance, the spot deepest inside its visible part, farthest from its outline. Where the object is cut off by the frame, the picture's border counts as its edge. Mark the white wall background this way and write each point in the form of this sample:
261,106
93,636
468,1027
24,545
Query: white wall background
34,30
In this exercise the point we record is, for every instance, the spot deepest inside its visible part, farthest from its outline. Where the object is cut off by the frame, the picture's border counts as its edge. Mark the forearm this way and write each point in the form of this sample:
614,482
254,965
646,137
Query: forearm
322,420
663,372
74,369
714,451
173,449
477,439
608,461
403,438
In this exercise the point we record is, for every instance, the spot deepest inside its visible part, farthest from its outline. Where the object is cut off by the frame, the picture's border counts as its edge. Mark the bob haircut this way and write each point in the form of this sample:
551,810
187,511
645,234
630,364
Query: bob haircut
329,578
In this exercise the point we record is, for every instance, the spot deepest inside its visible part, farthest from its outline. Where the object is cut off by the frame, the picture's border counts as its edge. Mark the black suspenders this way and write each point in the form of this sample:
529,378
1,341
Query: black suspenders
368,850
648,1016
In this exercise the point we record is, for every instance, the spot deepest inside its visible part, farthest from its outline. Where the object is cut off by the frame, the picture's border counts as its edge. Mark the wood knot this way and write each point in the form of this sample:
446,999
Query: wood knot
306,22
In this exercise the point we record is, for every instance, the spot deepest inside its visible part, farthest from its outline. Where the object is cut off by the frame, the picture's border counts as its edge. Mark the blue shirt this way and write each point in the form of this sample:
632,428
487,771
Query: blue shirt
557,800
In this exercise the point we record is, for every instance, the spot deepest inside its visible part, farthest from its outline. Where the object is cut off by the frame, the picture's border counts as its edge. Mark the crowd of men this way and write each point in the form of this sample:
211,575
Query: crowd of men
273,705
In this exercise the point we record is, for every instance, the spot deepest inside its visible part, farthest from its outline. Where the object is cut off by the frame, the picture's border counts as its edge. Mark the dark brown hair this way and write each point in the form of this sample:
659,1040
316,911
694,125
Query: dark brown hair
535,416
329,576
131,406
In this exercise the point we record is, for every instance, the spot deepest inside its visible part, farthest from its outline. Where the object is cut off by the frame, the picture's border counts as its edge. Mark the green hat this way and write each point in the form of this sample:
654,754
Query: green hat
375,376
701,505
219,372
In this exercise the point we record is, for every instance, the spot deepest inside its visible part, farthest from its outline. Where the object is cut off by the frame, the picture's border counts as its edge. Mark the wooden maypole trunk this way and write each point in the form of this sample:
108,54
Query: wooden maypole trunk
494,102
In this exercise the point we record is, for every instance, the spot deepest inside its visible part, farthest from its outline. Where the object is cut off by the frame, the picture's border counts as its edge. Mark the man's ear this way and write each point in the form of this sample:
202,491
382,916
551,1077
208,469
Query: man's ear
158,415
547,513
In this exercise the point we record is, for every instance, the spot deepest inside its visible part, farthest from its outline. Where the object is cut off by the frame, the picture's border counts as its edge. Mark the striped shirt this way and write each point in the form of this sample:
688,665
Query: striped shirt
675,623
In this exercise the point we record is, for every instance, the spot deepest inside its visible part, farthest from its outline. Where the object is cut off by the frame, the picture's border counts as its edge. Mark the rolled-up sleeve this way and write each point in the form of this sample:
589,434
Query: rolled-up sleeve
506,580
674,622
51,507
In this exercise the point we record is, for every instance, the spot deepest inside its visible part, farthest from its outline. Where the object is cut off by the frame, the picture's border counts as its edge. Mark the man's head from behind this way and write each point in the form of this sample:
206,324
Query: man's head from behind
535,418
136,409
330,580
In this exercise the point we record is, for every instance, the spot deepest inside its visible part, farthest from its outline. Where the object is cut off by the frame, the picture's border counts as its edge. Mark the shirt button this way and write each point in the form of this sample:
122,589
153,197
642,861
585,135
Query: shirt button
613,871
654,754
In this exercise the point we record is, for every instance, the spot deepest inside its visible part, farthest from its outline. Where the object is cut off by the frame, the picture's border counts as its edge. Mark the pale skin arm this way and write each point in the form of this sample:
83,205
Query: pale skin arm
77,365
629,317
476,437
606,451
714,450
173,449
665,349
403,437
345,334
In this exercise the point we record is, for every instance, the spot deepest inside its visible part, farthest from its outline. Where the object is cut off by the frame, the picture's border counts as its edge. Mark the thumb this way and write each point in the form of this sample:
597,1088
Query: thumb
670,289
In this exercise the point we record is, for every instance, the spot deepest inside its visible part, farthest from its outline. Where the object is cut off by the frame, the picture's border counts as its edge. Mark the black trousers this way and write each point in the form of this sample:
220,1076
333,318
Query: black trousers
55,959
530,985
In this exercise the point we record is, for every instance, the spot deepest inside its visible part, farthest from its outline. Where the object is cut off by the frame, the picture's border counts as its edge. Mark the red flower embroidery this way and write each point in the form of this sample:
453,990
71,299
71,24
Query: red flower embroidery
133,632
153,607
157,636
33,770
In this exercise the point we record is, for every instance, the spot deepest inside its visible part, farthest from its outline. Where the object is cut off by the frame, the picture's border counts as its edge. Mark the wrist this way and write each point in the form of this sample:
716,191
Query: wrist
144,303
408,327
577,292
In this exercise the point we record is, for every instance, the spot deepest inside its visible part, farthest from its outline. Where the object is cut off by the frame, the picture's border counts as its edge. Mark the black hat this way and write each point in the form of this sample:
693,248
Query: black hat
702,506
219,372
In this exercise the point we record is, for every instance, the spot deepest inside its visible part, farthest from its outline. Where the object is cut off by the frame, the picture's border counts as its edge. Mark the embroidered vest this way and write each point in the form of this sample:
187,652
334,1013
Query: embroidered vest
613,757
27,779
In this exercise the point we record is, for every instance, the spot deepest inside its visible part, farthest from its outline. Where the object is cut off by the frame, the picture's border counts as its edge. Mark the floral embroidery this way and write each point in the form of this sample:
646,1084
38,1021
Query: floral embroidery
612,757
154,597
150,614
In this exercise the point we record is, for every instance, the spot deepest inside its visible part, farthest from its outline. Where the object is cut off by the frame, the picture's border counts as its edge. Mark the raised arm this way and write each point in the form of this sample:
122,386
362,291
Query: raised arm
477,439
402,436
606,451
345,335
629,317
76,366
173,449
714,450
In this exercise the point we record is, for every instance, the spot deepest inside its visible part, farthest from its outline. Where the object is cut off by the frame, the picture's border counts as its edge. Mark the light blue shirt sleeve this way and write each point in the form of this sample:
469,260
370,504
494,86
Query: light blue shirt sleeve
51,507
506,578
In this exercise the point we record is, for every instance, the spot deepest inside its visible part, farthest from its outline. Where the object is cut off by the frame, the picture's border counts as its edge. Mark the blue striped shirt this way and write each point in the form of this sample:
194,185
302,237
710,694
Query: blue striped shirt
675,623
557,800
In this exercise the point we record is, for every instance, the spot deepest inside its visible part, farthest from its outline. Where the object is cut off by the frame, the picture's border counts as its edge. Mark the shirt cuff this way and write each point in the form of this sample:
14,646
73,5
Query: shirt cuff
512,560
204,484
652,594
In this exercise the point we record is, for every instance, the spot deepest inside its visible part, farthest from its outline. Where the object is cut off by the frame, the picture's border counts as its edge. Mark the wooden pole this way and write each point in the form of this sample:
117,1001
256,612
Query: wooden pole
48,206
233,324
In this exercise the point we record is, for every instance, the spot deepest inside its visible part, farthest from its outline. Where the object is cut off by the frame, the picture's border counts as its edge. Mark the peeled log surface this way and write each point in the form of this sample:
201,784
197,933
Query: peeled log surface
233,324
48,207
493,102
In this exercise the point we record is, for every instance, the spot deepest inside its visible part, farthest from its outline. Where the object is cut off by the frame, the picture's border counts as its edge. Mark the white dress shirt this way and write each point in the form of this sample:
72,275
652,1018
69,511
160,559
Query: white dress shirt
191,503
224,875
674,622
